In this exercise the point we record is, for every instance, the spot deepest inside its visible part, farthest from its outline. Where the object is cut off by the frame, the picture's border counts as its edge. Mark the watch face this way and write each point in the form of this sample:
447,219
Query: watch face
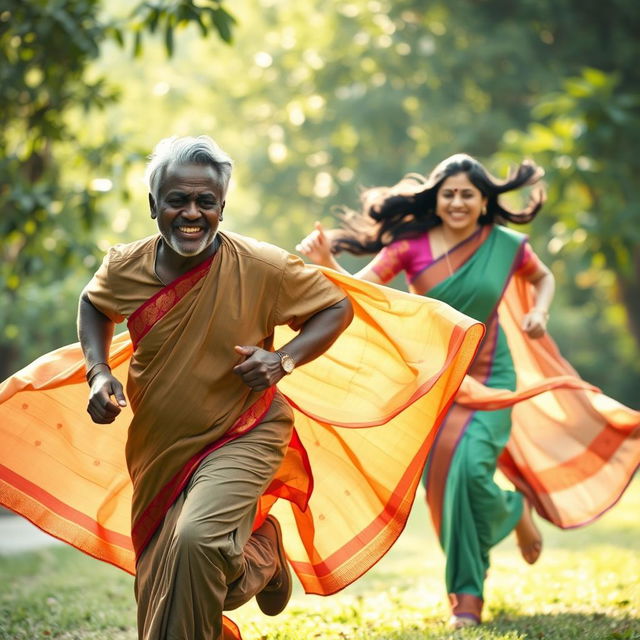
287,362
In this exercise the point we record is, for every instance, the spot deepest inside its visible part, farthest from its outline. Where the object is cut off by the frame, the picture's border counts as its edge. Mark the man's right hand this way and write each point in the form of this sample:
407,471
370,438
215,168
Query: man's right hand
106,398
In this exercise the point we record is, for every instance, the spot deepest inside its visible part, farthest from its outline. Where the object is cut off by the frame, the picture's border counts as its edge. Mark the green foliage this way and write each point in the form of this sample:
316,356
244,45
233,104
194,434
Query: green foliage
587,135
48,211
169,16
49,189
319,98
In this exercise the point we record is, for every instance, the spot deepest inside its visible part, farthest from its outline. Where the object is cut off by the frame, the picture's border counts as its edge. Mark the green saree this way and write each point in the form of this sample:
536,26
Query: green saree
470,512
564,444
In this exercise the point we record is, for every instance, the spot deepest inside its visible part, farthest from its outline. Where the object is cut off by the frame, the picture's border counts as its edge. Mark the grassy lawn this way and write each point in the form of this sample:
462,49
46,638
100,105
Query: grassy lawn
586,586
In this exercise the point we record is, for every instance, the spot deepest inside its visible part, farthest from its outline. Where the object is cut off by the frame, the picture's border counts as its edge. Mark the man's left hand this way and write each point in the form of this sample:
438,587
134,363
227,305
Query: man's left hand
260,369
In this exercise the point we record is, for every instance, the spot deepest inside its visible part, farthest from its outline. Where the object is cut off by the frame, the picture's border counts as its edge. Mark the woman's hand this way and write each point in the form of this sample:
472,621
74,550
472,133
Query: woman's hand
317,248
534,324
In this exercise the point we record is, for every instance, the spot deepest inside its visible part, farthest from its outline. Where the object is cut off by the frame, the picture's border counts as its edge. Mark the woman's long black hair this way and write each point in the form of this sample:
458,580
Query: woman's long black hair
408,208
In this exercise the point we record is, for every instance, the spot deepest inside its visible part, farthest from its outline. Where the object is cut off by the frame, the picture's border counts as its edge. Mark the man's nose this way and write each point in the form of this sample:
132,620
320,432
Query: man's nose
191,210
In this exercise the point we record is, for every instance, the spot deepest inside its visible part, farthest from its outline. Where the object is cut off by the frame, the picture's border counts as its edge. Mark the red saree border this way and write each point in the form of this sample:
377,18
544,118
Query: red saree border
301,498
149,520
59,508
279,488
454,258
142,320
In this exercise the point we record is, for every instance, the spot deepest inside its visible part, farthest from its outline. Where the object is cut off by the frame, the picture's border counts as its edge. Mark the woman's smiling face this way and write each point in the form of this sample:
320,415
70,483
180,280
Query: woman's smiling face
459,203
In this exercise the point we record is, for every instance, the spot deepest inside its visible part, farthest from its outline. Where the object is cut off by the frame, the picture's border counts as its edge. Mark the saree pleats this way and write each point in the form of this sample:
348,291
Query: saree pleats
366,414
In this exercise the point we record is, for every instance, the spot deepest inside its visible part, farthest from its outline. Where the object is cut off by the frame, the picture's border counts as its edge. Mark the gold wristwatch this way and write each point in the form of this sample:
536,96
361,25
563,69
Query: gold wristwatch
286,361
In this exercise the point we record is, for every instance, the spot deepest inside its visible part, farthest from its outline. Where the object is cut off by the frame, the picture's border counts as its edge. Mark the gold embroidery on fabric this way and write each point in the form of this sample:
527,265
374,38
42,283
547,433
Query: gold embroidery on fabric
144,319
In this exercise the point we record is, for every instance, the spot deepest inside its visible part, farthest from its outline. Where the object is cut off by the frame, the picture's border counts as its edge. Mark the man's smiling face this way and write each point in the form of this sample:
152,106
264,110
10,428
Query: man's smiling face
189,206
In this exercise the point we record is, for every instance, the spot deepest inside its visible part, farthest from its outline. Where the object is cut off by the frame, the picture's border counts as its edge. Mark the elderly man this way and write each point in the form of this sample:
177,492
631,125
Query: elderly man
209,428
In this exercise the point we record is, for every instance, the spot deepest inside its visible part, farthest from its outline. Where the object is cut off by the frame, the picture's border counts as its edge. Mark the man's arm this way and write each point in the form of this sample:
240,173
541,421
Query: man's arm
95,331
262,369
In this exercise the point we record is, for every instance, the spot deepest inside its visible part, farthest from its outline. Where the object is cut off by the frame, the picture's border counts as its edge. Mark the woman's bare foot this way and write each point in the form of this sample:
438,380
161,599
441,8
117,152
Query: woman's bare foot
462,622
528,535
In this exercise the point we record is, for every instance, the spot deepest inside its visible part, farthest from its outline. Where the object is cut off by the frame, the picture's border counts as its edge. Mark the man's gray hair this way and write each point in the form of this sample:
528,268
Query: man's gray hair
188,150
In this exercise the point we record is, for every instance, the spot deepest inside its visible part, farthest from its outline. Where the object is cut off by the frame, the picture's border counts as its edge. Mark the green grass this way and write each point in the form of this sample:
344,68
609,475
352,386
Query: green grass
586,586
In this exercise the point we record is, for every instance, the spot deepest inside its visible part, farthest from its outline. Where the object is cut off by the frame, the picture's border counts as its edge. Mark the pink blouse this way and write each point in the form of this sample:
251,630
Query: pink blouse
414,255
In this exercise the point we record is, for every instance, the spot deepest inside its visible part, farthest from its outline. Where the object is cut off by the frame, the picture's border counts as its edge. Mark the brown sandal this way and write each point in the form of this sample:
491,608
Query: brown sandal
274,597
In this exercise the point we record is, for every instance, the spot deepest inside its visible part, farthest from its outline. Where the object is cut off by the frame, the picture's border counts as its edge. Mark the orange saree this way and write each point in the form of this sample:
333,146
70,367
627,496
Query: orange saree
366,413
572,449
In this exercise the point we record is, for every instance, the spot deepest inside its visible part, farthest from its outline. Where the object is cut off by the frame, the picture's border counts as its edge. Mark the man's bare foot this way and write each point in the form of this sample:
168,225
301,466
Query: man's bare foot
528,535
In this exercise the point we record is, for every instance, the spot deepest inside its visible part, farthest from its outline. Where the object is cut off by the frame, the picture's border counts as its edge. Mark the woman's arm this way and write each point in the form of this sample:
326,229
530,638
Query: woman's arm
534,324
317,248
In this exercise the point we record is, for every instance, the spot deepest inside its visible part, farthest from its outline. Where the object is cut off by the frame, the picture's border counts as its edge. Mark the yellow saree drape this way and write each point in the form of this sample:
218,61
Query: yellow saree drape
397,368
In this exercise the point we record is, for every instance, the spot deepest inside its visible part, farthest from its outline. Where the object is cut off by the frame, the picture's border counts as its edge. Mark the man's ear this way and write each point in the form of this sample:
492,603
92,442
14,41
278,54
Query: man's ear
222,209
152,207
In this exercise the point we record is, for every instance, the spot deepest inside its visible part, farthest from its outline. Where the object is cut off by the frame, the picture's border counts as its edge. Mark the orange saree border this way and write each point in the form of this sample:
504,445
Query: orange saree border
151,518
146,315
64,522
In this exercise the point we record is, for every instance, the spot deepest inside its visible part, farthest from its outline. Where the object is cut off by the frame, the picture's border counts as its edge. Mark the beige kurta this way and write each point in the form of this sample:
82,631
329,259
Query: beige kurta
182,390
186,400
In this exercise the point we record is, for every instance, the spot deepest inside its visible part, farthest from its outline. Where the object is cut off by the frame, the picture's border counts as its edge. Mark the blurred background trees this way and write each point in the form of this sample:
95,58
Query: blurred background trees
52,159
313,100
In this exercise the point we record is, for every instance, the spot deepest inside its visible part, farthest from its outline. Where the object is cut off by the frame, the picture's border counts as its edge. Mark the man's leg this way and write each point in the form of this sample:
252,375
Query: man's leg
184,576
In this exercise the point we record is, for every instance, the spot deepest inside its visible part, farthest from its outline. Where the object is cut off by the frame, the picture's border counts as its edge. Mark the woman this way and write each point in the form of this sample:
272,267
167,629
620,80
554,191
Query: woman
447,234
